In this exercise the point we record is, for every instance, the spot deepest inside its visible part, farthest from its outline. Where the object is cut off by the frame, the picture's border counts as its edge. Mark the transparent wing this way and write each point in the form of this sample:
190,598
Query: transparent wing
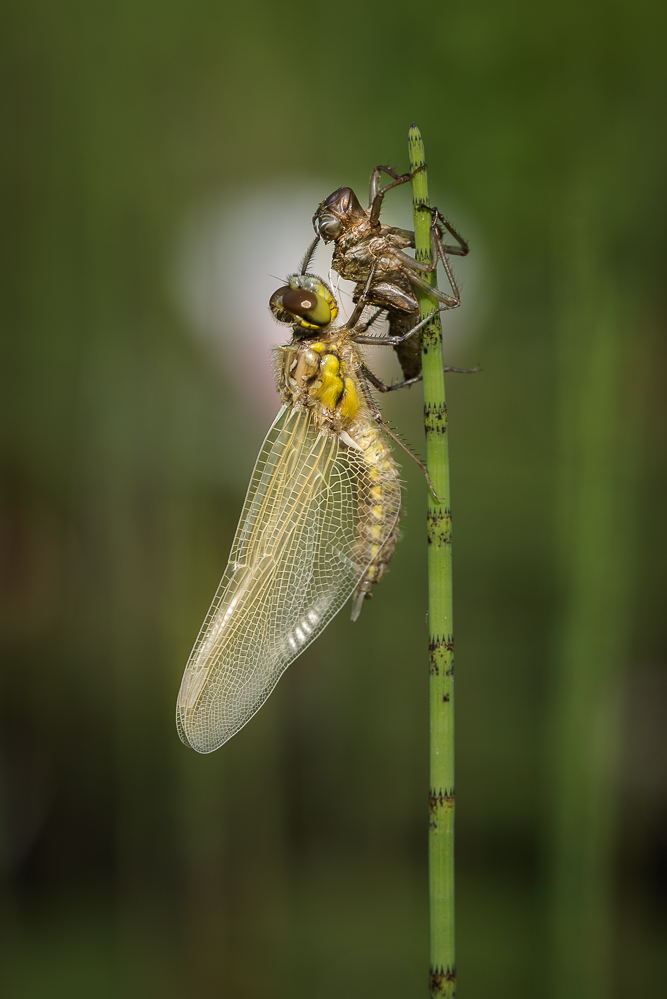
292,567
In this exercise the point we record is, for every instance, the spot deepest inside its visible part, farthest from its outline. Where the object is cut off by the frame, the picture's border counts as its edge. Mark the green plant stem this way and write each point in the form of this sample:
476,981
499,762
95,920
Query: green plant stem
441,636
596,475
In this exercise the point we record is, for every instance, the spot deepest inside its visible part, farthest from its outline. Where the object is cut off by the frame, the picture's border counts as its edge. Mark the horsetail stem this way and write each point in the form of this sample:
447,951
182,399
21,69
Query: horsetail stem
441,638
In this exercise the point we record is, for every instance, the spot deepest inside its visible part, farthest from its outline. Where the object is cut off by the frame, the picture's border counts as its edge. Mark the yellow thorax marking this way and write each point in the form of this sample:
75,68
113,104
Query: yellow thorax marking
349,404
329,386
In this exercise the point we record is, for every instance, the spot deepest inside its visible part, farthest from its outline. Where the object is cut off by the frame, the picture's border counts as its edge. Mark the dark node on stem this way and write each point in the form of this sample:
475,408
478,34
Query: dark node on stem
432,335
437,800
439,525
441,655
435,419
439,978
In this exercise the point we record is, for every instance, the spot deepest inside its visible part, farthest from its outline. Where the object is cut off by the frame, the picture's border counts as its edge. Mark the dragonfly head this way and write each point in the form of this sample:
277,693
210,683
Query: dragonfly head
306,303
337,213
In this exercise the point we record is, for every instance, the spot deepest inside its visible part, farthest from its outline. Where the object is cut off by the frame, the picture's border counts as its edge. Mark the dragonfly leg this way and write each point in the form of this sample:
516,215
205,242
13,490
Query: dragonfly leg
411,268
383,387
391,341
361,303
442,251
463,371
376,193
462,249
450,301
367,323
407,450
439,253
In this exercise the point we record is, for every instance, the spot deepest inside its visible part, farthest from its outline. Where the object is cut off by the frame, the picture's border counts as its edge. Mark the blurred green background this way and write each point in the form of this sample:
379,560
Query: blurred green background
293,861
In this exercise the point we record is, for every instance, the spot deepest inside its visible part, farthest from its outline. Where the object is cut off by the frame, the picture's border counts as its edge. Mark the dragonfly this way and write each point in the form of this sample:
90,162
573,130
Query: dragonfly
362,242
319,524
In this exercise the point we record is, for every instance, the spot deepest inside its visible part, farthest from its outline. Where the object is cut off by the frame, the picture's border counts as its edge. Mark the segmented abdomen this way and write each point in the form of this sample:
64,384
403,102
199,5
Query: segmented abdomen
379,505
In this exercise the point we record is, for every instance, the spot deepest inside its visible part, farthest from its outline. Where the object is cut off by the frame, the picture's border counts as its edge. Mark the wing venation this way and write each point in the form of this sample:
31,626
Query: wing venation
293,564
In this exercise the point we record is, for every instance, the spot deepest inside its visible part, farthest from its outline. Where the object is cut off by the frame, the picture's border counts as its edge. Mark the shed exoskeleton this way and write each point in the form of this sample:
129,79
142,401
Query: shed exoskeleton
364,245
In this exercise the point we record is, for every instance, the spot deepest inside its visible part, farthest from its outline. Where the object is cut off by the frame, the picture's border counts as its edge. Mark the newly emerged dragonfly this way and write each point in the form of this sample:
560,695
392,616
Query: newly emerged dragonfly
319,523
363,243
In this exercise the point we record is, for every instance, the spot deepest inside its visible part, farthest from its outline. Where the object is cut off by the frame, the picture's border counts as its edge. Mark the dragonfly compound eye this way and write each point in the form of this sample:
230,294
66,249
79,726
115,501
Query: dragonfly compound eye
337,213
303,306
299,301
328,226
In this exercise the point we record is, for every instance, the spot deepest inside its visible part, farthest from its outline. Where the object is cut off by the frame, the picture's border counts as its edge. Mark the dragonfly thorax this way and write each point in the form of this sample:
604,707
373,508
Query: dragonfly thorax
320,374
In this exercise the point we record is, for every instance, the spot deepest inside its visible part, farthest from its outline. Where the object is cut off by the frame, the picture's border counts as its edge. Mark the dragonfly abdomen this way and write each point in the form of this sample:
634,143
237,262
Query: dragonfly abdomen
379,508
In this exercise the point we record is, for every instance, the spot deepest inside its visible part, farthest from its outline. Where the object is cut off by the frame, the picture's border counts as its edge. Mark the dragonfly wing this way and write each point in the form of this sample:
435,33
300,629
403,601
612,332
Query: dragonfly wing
293,565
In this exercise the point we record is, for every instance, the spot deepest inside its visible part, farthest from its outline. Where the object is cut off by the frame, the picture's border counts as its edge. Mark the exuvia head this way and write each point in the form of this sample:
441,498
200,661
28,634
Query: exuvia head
337,213
305,302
